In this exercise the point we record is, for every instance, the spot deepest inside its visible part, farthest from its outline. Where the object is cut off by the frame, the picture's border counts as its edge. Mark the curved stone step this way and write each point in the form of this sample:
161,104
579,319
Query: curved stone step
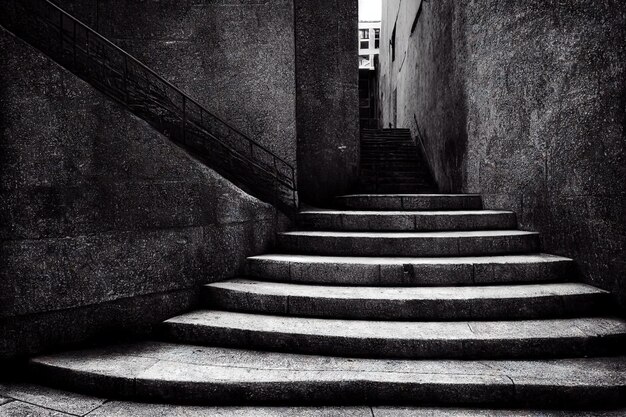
410,201
388,271
456,243
163,372
396,339
406,220
413,303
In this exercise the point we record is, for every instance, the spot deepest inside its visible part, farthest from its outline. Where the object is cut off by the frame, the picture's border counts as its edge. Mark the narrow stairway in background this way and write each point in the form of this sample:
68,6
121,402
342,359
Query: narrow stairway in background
392,163
391,299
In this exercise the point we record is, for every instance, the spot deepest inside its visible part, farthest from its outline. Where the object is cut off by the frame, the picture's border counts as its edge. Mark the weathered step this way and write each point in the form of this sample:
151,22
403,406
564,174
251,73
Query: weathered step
166,373
484,242
387,271
411,201
413,303
400,339
406,220
395,188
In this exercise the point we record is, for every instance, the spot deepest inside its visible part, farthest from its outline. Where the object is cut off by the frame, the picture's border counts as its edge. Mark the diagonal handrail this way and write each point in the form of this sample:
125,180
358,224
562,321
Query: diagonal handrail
128,81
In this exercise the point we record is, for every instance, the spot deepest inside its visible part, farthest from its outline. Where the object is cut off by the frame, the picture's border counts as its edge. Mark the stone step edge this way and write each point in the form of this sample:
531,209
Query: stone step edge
143,371
407,271
485,302
463,339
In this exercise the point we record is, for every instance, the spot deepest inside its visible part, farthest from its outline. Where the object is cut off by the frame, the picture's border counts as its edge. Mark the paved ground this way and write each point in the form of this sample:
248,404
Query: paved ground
22,400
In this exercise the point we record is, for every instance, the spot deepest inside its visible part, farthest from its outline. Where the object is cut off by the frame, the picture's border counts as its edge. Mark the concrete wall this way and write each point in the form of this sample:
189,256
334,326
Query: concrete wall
235,57
258,65
524,102
327,97
104,224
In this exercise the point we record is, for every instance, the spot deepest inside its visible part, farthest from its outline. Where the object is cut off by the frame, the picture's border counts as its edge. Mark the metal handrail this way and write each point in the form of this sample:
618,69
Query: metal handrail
128,81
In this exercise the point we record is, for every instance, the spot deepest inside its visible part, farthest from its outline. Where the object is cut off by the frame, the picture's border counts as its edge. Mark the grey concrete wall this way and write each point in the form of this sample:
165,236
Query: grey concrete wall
327,104
235,57
104,224
524,102
427,80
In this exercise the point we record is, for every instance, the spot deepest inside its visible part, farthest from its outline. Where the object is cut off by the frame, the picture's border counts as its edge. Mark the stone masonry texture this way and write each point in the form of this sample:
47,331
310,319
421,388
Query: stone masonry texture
235,57
327,106
104,223
524,102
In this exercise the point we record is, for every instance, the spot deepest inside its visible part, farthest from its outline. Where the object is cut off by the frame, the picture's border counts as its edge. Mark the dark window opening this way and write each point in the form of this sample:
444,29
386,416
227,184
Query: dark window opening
376,38
417,16
364,33
392,43
364,45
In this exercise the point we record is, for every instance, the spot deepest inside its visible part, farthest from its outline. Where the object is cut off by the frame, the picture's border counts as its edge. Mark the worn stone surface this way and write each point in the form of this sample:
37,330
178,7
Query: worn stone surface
211,375
460,412
404,271
327,108
410,201
22,409
353,220
397,339
97,208
413,303
522,102
128,409
52,399
480,243
235,57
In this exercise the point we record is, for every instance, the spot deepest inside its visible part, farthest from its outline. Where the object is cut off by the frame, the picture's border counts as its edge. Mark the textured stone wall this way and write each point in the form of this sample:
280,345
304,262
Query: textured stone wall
327,103
426,79
235,57
524,102
104,224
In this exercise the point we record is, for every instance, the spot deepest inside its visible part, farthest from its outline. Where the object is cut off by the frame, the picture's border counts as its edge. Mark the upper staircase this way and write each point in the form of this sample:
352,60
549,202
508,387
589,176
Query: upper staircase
391,163
387,299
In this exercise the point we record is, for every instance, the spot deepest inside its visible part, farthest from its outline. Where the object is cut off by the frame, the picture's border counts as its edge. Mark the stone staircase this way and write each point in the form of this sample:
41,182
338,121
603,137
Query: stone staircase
392,163
389,299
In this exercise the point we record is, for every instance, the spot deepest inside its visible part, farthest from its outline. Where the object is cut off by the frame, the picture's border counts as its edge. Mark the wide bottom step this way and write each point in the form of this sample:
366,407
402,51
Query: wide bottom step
206,375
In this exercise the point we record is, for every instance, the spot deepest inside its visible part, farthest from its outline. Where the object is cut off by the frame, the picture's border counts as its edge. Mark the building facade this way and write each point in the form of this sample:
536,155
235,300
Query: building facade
369,44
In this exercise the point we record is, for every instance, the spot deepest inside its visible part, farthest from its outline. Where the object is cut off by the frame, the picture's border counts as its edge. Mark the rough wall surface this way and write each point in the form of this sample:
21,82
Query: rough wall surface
104,224
524,102
422,88
236,57
327,103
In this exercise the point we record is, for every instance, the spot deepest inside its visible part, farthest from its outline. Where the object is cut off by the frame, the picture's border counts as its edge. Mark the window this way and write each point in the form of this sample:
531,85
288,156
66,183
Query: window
363,34
364,44
376,38
364,61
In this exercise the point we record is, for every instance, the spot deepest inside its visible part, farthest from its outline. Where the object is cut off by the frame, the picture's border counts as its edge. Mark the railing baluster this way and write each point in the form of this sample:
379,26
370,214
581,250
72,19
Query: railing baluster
125,75
74,42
